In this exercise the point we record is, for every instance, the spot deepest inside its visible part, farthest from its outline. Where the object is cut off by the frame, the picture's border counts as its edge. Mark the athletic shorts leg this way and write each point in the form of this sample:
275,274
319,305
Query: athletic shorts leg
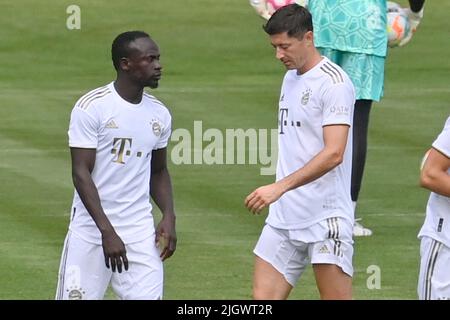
366,71
336,247
434,276
144,278
82,274
275,248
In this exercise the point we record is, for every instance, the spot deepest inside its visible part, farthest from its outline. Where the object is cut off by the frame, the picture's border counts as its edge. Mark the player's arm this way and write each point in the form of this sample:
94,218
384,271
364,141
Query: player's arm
335,141
161,192
83,161
434,174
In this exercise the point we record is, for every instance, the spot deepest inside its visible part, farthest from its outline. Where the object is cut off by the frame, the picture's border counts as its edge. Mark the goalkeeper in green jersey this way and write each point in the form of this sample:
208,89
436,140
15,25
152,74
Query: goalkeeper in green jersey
352,33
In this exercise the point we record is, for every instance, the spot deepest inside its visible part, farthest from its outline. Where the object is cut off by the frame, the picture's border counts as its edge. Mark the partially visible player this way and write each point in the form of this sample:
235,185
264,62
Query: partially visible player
311,216
265,8
352,34
118,136
434,276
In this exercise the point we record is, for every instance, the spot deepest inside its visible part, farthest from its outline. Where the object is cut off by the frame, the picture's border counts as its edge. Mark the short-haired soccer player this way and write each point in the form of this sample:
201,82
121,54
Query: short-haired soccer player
118,136
310,216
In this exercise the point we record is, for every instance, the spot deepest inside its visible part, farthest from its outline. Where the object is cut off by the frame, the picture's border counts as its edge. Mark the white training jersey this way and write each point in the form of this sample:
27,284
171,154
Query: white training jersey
124,136
320,97
437,220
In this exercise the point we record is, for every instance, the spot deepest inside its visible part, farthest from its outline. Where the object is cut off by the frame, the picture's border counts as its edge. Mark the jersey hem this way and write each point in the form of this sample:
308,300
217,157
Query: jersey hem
308,223
126,240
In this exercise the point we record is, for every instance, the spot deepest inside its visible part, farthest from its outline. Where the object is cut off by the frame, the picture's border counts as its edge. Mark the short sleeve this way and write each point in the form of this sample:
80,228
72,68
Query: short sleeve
83,130
165,134
338,104
442,143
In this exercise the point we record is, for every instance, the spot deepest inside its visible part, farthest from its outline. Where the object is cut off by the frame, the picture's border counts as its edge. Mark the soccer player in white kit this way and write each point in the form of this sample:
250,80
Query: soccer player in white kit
118,136
434,275
310,217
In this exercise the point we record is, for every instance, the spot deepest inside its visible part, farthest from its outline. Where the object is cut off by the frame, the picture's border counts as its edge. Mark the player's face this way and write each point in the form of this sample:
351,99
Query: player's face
290,50
144,65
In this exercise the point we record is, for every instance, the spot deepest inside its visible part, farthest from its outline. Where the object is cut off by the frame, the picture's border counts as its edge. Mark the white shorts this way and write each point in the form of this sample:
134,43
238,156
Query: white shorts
434,275
83,273
290,251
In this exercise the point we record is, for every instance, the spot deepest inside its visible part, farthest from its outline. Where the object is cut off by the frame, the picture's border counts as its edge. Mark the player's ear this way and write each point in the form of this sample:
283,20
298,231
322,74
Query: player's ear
308,37
124,64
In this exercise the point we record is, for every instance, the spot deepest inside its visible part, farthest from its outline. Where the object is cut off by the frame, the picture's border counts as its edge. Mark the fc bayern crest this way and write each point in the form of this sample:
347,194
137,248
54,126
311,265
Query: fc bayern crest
156,127
75,295
306,96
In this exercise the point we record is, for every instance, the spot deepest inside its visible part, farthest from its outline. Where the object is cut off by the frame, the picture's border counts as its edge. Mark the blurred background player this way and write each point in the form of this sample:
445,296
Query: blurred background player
352,33
434,276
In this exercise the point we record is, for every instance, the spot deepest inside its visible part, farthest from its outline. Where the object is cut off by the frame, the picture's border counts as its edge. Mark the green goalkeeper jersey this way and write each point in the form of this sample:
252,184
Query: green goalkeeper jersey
350,25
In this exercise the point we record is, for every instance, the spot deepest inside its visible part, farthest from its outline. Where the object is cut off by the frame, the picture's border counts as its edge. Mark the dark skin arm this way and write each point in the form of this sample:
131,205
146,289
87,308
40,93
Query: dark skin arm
161,193
83,161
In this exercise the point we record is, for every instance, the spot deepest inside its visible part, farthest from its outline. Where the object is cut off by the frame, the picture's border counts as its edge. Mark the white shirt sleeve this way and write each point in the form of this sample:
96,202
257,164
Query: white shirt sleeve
165,134
338,104
442,143
83,129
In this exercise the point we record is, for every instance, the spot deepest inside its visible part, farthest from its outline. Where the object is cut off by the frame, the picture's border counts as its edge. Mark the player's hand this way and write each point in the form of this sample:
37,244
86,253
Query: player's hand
261,8
114,251
262,197
166,238
414,19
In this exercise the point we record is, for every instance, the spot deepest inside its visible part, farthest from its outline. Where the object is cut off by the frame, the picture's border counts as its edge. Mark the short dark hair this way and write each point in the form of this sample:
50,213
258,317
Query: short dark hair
121,45
293,19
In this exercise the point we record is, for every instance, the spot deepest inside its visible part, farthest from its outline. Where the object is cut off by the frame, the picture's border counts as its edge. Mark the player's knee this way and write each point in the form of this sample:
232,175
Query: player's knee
273,293
260,293
339,293
264,295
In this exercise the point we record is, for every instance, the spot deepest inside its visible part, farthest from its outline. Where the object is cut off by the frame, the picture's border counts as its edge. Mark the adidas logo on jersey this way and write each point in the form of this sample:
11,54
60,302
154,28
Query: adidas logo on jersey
324,249
112,125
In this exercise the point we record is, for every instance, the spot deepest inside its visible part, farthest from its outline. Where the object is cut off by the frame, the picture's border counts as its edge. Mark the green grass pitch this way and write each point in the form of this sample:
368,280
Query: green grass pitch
219,68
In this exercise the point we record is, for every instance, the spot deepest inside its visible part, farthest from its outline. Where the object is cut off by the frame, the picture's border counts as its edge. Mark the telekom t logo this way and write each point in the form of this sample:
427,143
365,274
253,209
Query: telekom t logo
283,121
119,147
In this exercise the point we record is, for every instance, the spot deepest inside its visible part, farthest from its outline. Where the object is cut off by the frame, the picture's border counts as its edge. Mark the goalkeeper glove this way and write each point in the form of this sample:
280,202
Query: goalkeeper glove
261,8
414,19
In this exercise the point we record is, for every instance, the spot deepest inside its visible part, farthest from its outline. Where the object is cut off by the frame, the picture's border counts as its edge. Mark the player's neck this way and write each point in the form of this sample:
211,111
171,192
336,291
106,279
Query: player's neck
311,62
128,91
